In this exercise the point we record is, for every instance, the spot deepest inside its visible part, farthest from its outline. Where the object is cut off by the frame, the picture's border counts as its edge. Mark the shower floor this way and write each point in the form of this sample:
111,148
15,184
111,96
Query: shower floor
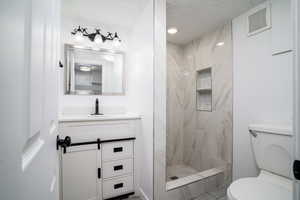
180,175
179,171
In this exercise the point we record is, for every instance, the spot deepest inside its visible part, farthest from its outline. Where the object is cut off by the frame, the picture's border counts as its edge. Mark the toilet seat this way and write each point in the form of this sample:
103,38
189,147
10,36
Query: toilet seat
257,189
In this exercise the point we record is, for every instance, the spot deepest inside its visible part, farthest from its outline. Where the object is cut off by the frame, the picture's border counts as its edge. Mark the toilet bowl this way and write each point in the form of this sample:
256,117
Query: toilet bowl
266,186
272,150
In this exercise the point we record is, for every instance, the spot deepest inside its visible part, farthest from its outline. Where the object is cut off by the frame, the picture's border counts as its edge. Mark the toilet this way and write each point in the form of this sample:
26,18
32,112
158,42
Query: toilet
272,147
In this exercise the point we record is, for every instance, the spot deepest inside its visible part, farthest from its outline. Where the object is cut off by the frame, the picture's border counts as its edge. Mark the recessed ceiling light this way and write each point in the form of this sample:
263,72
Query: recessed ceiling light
220,44
172,30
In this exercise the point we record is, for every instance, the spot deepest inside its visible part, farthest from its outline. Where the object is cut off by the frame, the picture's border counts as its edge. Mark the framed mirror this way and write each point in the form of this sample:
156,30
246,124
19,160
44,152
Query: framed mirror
93,72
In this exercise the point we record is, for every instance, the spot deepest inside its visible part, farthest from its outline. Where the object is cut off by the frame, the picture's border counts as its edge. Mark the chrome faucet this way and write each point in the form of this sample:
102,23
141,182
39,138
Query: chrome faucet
97,108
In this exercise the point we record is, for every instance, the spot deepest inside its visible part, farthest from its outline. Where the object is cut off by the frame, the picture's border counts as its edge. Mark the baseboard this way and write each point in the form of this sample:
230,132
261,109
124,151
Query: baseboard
143,195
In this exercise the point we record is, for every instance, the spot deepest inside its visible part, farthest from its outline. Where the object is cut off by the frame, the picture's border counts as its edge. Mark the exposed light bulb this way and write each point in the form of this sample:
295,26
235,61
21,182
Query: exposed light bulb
116,42
79,36
98,39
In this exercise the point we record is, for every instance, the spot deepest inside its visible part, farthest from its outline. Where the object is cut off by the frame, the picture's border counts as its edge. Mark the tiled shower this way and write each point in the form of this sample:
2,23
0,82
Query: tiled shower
199,110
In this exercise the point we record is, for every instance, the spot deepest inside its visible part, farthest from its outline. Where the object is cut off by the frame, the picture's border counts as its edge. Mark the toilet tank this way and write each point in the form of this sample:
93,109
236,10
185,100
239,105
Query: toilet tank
272,147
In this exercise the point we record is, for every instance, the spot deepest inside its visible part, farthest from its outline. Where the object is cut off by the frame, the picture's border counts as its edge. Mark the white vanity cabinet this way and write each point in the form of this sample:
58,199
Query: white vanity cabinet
100,162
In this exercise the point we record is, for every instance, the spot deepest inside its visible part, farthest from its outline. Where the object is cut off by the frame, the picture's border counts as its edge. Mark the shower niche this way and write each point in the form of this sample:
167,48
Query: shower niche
204,89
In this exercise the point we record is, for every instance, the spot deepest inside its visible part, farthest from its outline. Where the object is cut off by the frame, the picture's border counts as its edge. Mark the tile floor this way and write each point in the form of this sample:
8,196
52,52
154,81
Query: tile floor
134,198
217,195
202,197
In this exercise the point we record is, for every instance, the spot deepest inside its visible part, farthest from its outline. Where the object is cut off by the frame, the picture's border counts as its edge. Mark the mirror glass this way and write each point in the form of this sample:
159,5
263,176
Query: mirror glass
94,72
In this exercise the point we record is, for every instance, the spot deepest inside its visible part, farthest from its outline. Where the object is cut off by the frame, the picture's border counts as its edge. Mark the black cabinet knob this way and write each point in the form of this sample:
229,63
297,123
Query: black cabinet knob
60,64
296,169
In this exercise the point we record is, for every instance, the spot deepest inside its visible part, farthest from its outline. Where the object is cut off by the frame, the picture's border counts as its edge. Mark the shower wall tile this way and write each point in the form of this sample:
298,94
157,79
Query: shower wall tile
198,139
175,104
208,135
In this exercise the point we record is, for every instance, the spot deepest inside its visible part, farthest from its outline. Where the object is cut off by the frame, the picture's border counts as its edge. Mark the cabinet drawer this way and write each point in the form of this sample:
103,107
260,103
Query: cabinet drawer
117,150
87,131
117,168
117,186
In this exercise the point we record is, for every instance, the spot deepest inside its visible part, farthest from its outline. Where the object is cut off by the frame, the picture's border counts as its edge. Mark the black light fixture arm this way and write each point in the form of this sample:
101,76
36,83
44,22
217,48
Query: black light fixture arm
80,29
92,36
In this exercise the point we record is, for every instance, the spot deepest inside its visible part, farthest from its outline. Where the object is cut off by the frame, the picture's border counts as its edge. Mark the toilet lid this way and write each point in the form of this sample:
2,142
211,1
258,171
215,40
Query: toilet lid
255,189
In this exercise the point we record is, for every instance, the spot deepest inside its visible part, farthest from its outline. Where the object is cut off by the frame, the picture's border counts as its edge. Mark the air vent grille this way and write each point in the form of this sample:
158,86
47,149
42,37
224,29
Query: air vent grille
259,19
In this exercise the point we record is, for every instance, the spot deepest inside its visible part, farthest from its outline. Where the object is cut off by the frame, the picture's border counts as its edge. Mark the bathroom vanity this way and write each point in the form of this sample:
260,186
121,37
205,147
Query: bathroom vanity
97,156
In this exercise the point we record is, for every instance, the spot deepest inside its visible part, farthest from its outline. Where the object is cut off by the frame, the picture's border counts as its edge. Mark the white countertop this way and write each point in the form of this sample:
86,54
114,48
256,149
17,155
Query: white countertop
105,117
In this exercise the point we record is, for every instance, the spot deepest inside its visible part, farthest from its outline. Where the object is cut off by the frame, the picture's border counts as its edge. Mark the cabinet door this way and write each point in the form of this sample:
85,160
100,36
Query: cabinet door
80,179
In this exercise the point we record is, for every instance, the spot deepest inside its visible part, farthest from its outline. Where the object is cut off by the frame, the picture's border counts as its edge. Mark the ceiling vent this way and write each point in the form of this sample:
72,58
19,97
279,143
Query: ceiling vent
259,19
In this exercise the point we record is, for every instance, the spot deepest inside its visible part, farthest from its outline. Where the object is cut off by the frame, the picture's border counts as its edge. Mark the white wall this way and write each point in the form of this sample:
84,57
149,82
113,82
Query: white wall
262,90
140,91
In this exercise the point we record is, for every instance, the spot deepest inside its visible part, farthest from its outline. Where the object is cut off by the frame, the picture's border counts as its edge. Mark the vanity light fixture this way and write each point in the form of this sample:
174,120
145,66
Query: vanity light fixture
172,30
96,36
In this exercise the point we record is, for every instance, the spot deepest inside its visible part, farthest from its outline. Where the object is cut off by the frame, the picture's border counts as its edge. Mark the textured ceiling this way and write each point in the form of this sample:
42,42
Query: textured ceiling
114,12
193,18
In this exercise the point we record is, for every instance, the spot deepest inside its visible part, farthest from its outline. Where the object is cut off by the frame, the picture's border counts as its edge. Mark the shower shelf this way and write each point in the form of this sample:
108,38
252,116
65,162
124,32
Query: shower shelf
204,89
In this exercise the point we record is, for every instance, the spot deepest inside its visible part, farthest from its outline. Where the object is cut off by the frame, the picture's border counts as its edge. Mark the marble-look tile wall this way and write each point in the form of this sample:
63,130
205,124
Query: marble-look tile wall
175,104
201,140
208,135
